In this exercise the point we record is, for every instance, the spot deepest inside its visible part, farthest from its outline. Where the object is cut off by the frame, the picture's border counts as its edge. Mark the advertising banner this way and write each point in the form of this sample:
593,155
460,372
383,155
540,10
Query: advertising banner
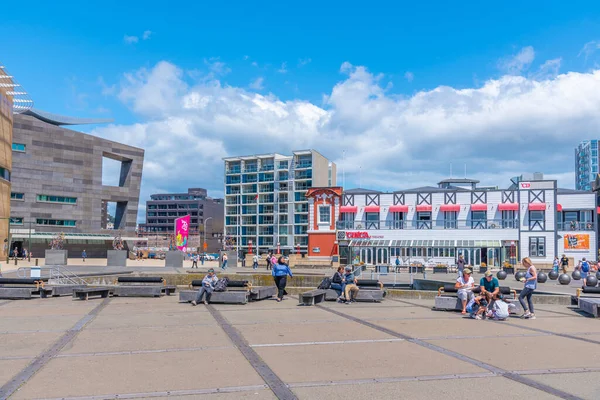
182,229
577,241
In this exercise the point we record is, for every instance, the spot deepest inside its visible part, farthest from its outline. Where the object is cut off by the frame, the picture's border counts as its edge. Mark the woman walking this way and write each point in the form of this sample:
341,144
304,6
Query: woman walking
530,281
280,272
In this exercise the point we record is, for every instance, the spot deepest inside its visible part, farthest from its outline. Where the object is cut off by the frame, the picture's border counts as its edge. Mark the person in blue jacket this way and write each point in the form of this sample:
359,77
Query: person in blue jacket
280,272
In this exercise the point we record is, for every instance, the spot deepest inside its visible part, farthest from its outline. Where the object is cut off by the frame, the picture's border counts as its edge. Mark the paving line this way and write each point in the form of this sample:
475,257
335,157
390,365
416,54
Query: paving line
32,331
565,335
491,368
169,393
41,360
5,302
132,352
556,371
7,358
280,389
508,335
326,343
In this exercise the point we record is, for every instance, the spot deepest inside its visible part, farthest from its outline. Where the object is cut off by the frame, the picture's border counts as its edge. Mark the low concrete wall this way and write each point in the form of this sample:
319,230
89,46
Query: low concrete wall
56,257
116,258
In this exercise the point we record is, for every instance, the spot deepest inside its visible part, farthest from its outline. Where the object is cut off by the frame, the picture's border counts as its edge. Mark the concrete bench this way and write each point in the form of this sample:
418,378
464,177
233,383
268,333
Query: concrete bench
590,305
369,290
450,301
22,288
142,286
63,290
237,292
312,297
85,293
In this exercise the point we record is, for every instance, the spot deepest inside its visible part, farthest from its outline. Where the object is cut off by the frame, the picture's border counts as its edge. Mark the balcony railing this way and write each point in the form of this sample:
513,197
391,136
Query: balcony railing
250,169
575,226
303,164
234,170
267,167
418,224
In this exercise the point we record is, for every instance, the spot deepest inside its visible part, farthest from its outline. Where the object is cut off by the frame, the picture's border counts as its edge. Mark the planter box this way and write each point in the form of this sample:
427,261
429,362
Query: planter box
116,258
174,259
482,270
56,257
509,271
440,270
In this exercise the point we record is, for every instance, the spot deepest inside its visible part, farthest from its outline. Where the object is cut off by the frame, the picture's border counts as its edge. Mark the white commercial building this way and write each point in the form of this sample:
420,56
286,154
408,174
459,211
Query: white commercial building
531,218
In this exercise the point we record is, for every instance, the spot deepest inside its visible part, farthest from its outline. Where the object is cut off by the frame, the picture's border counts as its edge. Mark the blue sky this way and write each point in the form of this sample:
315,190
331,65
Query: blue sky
308,64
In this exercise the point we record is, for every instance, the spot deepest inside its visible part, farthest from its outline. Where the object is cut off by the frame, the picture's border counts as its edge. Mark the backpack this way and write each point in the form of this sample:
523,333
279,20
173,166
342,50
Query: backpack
221,285
325,284
585,267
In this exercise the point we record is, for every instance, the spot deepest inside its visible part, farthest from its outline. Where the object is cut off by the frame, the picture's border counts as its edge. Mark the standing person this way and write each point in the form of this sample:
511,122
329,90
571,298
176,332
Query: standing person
280,273
24,254
350,288
202,258
224,257
555,264
465,284
274,260
83,255
337,283
255,261
397,261
195,260
460,265
530,281
269,261
585,270
564,263
208,285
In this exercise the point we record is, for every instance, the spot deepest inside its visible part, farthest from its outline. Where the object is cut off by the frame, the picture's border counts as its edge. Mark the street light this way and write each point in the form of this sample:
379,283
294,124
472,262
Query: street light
204,232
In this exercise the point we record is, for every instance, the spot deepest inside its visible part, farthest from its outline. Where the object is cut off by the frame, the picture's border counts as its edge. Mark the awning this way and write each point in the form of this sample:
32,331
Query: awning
450,207
348,209
559,207
478,207
423,208
537,206
399,208
372,209
598,210
508,207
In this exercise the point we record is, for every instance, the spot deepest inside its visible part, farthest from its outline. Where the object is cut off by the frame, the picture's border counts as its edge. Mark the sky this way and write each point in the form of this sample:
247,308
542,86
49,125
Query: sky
393,92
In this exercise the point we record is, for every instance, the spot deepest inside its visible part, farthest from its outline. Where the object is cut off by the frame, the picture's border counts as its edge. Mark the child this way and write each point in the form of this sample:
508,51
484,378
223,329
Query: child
499,311
477,307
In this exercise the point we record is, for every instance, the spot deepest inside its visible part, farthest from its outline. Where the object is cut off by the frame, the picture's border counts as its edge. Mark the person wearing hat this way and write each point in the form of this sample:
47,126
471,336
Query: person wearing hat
351,288
464,284
208,285
490,286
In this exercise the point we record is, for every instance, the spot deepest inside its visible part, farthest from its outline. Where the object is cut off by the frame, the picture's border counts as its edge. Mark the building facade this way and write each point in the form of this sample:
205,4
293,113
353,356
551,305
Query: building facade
265,199
13,100
532,218
58,186
163,209
586,164
323,206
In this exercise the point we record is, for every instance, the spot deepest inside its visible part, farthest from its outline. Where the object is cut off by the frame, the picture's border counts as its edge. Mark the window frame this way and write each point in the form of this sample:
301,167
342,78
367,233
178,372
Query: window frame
535,242
537,224
18,150
320,220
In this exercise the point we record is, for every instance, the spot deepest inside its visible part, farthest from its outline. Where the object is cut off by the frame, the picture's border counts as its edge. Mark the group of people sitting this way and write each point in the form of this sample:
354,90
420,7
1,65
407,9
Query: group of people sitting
489,303
345,284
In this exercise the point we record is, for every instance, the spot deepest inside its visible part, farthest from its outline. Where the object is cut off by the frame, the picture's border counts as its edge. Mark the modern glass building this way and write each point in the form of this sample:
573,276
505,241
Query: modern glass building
586,164
265,199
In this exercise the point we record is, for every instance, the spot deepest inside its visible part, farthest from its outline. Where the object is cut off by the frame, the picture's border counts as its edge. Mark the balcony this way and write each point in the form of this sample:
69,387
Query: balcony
250,179
249,169
424,224
267,167
231,190
303,175
303,164
266,221
575,226
233,170
233,180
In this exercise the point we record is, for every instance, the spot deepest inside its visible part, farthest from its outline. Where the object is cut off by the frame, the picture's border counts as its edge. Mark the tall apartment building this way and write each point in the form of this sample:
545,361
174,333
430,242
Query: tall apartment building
265,199
586,164
164,208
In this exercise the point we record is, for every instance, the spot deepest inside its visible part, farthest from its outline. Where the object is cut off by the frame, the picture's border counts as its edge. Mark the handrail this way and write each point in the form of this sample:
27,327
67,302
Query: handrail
55,273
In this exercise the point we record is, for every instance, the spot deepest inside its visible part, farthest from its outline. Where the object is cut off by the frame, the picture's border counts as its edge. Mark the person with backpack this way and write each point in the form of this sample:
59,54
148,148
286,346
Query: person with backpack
585,270
337,283
208,286
255,261
280,273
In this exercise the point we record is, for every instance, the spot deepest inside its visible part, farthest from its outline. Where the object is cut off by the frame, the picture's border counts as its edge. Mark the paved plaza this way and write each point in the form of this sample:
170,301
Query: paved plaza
157,348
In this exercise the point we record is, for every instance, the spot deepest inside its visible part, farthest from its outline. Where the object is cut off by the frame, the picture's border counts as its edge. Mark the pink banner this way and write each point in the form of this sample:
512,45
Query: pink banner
182,229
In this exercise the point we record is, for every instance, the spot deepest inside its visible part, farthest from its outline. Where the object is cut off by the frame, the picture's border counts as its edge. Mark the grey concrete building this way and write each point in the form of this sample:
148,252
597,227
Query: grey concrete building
164,208
58,187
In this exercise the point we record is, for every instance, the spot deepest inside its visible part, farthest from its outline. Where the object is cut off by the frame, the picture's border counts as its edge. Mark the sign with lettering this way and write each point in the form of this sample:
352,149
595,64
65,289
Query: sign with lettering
577,241
525,185
182,229
358,235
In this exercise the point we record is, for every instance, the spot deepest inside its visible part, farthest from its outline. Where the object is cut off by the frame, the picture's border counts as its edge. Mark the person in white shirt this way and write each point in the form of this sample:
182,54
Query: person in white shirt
255,262
500,309
465,284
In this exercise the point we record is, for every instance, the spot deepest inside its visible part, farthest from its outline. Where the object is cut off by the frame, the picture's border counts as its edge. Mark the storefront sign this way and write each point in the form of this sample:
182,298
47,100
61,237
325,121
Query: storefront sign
578,241
358,235
525,185
182,228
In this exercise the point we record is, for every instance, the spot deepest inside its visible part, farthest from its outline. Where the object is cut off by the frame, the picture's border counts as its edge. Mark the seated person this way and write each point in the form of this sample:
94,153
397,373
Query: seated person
500,309
465,284
477,307
489,286
337,283
351,289
208,285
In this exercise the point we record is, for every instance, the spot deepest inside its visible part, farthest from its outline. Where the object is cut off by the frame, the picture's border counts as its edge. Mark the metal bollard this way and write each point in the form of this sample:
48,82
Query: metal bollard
36,262
15,260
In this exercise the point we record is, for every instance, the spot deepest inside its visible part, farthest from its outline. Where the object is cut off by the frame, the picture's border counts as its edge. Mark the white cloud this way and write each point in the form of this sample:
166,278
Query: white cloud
283,68
130,39
519,62
589,48
505,127
303,61
216,66
548,70
409,76
257,84
146,35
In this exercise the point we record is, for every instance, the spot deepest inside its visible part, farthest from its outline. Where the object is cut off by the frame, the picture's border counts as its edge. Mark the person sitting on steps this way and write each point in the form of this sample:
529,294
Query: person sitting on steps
208,285
465,284
337,283
351,288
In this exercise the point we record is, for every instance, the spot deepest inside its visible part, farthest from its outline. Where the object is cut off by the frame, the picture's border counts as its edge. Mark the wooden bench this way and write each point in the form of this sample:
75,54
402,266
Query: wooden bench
312,297
142,286
85,293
